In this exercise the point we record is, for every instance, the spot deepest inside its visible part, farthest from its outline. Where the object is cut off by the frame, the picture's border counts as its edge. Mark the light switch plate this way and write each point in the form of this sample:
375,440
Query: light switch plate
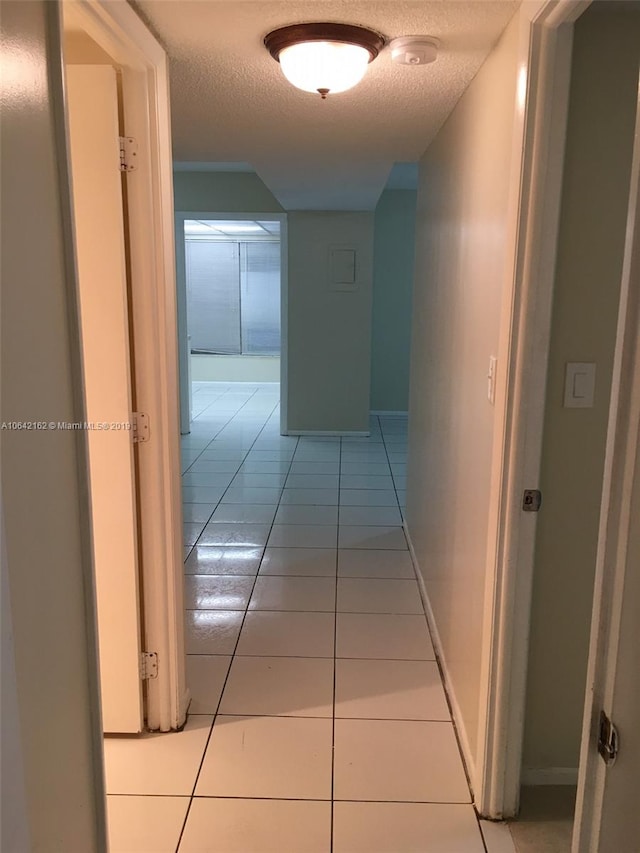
579,385
491,379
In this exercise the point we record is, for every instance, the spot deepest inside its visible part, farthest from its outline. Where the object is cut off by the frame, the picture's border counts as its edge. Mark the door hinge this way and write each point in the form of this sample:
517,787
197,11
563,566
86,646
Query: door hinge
140,421
531,500
148,665
608,740
128,154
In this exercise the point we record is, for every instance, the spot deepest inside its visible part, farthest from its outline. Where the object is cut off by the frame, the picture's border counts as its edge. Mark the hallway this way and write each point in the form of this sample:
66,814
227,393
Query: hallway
318,721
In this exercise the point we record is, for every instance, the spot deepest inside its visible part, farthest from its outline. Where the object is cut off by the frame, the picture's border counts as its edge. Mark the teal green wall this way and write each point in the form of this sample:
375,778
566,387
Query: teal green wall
329,347
394,243
222,192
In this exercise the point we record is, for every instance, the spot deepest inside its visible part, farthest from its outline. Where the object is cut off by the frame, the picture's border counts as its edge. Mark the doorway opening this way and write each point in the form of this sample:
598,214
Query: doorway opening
233,299
578,258
230,279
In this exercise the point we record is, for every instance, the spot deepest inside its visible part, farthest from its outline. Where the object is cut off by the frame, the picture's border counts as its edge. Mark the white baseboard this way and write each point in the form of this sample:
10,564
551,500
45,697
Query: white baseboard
497,838
467,755
329,432
549,776
388,413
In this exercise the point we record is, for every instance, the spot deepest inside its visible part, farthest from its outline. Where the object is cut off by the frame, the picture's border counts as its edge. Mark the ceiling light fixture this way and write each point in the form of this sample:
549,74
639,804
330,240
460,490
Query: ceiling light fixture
323,57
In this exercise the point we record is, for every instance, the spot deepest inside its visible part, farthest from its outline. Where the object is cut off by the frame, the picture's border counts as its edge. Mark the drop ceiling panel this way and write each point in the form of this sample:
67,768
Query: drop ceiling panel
235,229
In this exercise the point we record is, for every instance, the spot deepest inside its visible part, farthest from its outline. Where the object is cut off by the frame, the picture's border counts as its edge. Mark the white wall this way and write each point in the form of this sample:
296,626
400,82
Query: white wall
43,473
393,256
235,368
329,346
461,257
590,250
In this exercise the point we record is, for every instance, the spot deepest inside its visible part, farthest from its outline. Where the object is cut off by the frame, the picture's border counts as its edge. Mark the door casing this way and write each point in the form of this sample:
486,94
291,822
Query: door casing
116,28
544,65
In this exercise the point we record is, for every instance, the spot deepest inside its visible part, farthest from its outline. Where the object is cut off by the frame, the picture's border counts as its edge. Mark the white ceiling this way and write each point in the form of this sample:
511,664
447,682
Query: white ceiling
230,101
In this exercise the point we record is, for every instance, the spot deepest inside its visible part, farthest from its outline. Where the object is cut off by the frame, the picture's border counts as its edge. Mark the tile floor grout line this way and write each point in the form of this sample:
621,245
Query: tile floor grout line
306,657
261,716
224,426
246,610
261,547
188,470
276,575
236,473
305,800
335,653
482,838
291,610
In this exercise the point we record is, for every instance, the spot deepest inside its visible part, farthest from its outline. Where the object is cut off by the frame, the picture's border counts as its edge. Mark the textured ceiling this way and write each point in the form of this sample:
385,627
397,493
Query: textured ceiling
230,101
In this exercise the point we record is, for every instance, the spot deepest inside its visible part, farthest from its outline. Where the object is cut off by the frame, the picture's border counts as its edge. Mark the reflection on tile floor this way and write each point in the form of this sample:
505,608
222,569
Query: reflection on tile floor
318,720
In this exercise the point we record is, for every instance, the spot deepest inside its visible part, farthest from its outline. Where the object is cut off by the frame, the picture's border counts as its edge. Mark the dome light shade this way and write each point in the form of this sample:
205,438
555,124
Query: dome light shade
315,66
324,58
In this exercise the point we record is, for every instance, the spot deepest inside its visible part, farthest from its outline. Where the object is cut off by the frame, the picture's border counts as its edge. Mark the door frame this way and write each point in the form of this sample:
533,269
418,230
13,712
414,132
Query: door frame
543,80
181,284
612,564
118,30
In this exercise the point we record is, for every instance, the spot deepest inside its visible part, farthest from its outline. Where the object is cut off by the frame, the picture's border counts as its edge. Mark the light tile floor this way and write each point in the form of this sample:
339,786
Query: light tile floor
318,720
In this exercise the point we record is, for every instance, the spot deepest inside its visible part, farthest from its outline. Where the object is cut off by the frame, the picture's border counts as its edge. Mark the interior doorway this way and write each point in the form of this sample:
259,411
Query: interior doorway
579,258
231,273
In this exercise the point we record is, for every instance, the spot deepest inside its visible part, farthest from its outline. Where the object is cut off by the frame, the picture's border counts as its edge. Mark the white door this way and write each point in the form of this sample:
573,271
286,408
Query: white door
99,224
620,819
608,806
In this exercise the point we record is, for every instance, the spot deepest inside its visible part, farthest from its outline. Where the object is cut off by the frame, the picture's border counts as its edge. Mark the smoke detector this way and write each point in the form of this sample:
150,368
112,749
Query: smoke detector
414,50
